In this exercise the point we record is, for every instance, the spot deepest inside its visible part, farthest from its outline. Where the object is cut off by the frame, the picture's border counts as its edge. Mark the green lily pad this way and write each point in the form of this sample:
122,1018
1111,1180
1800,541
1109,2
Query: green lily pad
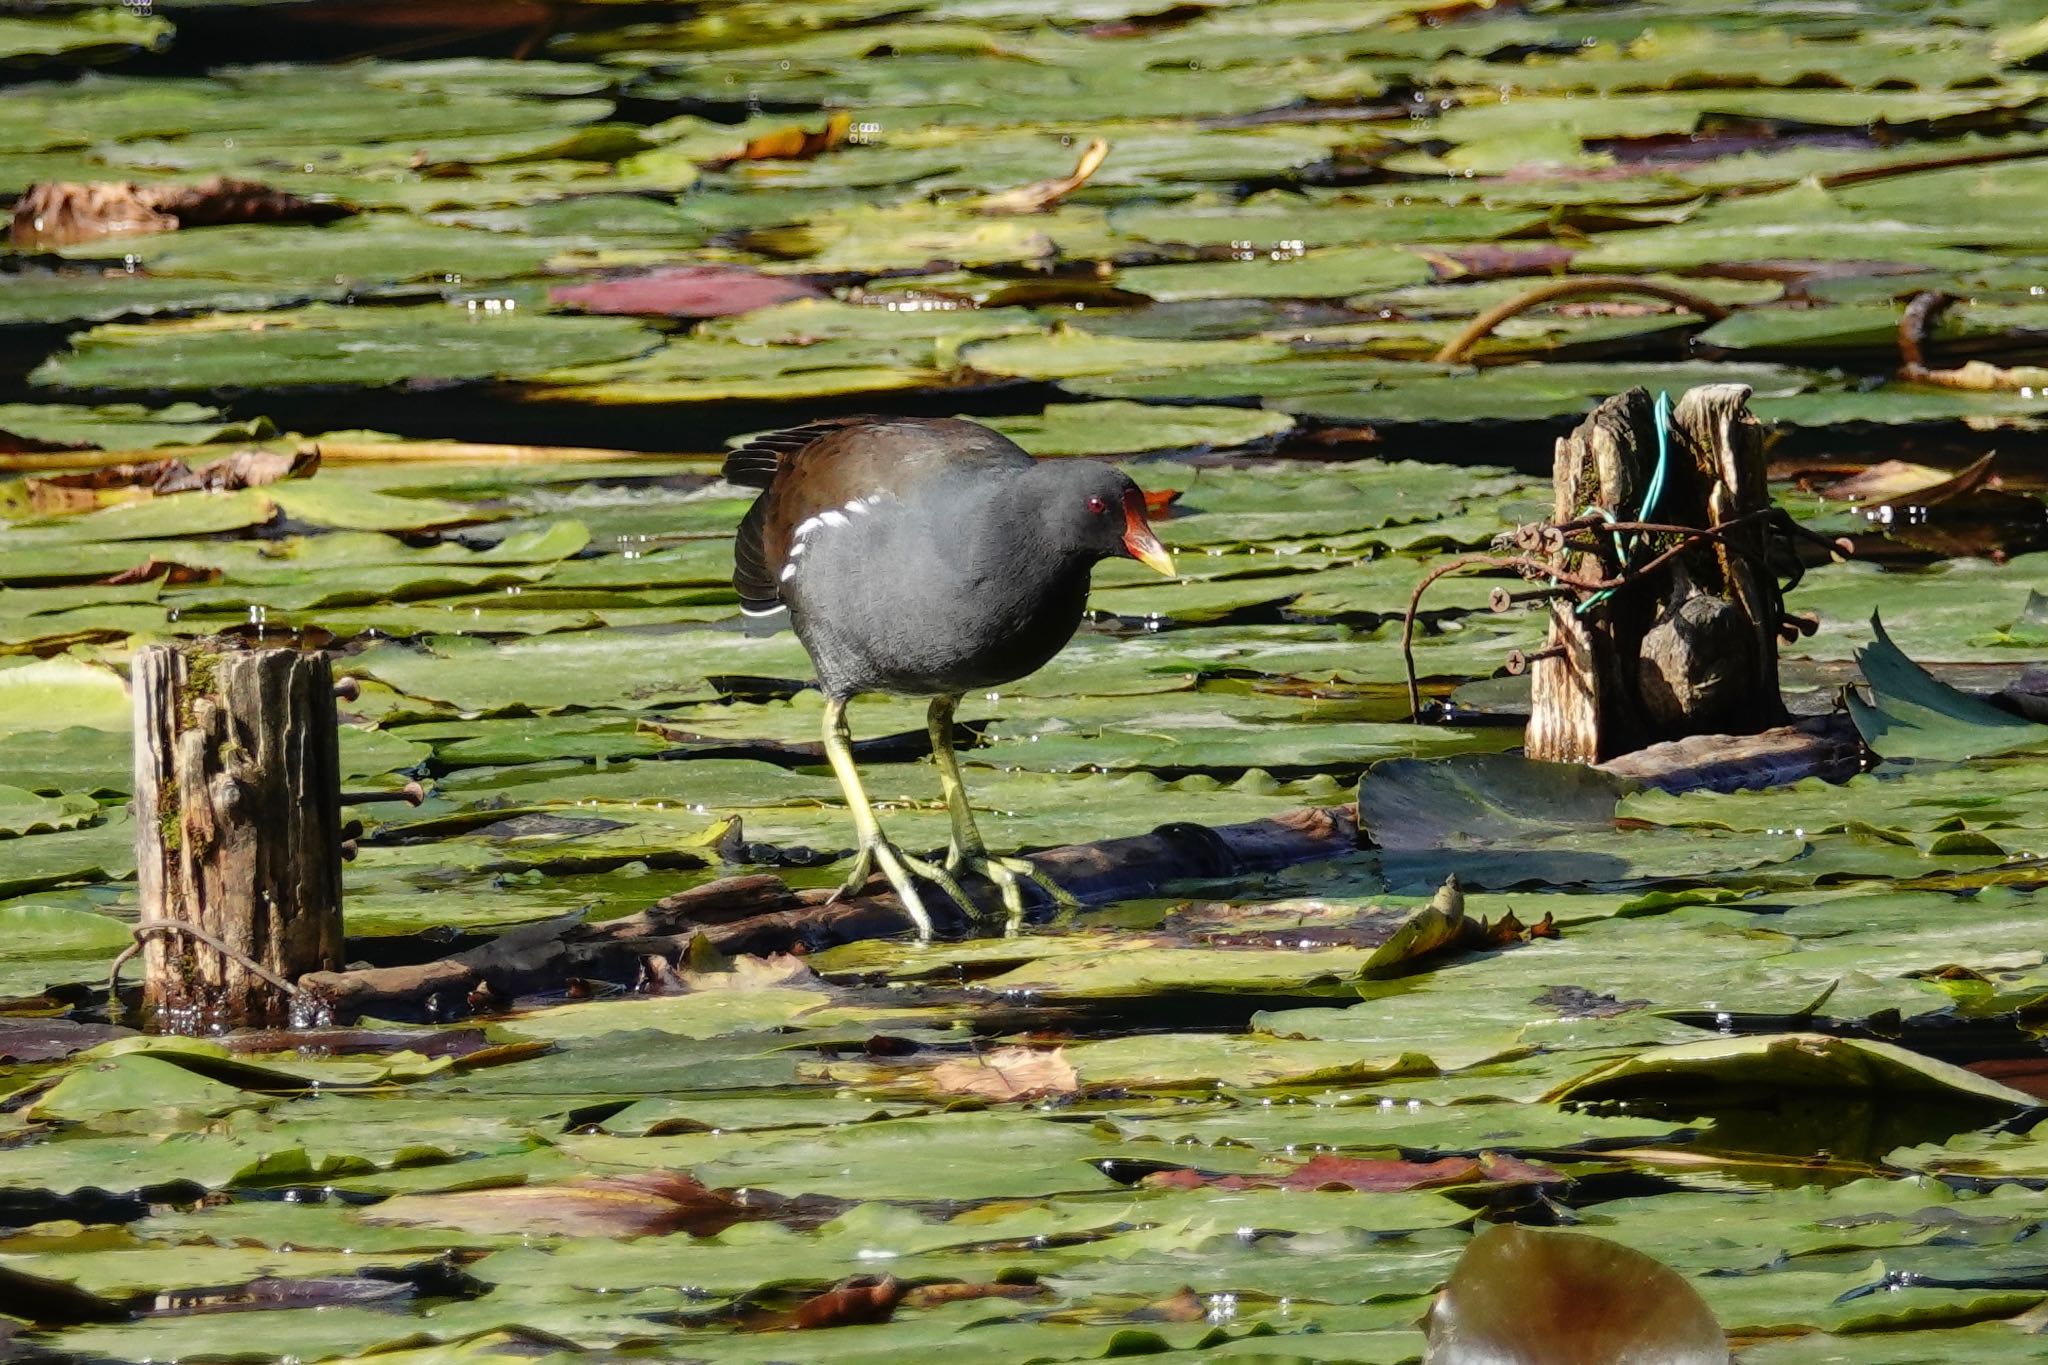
1116,428
44,694
327,345
1068,352
1911,714
1712,1073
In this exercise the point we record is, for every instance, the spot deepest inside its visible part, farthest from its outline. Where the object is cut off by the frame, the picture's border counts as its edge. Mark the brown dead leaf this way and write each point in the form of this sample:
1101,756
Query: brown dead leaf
751,973
705,968
242,469
850,1303
1008,1073
59,212
639,1205
1521,1294
92,488
790,144
1041,195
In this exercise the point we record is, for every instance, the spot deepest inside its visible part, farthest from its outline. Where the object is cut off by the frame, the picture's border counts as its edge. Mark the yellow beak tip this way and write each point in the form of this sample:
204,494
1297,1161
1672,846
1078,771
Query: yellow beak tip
1158,560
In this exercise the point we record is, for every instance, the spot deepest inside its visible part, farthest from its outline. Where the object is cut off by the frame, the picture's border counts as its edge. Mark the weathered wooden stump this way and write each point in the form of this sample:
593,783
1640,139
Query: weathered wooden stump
1692,647
237,832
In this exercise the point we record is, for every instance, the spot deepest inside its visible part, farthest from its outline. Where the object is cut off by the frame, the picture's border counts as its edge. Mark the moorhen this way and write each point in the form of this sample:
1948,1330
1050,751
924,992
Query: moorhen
926,557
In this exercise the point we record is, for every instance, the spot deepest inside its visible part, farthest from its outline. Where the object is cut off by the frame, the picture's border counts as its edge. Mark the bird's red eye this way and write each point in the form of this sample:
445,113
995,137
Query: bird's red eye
1097,505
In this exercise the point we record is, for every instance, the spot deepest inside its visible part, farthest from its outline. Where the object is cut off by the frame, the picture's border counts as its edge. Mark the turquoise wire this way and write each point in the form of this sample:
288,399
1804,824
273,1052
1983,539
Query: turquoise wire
1662,412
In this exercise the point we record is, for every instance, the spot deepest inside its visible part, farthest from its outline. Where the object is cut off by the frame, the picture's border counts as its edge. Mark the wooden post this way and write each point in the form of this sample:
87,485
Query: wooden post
1692,649
237,832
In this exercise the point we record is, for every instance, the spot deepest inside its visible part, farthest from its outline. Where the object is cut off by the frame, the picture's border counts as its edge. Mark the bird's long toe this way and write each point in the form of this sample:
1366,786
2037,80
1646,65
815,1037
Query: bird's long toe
904,871
1008,876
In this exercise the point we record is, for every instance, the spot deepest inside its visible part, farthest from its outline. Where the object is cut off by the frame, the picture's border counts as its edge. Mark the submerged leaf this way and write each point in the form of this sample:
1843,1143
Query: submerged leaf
652,1203
1009,1073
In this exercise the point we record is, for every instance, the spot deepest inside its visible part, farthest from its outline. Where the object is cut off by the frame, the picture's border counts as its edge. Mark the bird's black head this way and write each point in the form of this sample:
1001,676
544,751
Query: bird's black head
1095,512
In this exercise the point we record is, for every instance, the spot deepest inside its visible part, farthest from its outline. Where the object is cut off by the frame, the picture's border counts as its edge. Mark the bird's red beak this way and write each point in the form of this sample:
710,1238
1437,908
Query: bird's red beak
1139,542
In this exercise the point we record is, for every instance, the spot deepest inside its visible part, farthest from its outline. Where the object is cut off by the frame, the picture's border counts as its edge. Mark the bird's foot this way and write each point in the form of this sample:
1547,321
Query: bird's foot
904,872
1009,876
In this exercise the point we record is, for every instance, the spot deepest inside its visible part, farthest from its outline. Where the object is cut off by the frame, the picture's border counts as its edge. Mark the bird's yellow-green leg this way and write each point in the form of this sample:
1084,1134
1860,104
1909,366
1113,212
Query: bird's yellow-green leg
968,851
899,867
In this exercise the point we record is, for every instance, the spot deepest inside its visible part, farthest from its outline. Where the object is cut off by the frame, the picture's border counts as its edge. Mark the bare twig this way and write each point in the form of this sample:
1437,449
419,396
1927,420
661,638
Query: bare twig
1475,331
162,926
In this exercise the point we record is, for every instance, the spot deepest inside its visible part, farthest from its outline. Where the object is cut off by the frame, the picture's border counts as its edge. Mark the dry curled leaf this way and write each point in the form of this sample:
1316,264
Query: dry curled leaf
1008,1073
57,212
1041,195
790,144
88,489
1889,480
850,1303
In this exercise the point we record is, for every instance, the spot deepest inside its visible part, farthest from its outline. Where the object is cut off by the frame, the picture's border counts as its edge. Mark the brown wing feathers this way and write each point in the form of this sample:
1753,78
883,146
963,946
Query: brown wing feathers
755,465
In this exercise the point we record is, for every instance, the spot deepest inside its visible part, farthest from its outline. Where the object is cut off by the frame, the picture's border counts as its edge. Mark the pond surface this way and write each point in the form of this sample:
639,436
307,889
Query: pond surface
586,248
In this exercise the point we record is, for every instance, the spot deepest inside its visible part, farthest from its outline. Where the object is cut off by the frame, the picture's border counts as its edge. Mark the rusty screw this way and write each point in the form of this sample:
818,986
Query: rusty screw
1518,662
1500,599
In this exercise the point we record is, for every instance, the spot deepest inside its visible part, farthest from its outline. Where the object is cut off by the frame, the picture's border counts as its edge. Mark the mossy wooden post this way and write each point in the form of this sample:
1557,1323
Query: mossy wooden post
237,831
1692,649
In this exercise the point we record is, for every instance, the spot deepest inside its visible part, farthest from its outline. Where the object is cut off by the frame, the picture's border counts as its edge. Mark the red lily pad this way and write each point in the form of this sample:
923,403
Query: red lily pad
1371,1175
683,291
